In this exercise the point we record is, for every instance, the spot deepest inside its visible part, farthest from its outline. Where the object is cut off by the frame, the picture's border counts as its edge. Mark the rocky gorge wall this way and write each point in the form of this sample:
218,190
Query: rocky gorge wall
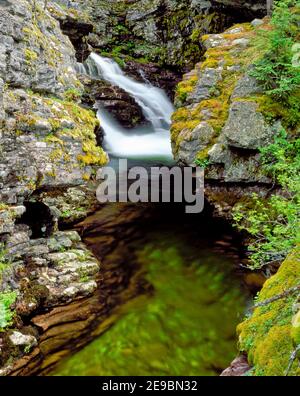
218,123
222,120
159,37
48,153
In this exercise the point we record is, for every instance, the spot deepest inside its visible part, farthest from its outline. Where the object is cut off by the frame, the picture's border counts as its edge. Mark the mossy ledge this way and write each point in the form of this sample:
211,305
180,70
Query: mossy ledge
270,335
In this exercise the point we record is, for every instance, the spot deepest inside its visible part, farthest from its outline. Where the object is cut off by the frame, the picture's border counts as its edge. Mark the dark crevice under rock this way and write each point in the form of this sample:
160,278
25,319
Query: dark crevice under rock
77,31
39,219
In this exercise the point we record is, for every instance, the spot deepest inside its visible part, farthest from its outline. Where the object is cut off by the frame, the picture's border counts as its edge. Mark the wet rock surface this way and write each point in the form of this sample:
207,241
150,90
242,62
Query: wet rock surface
238,367
115,100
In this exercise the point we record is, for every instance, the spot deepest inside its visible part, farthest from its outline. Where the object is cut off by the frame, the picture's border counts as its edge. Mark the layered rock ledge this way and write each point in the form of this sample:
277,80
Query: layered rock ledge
49,152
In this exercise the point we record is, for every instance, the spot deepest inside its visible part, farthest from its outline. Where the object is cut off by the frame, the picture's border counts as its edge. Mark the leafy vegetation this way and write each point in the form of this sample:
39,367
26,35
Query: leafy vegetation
6,314
273,223
3,260
278,71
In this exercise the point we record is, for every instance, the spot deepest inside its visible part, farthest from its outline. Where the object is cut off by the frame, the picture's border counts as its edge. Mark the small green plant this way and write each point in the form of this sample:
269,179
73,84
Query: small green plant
276,71
203,163
273,223
6,314
4,262
72,95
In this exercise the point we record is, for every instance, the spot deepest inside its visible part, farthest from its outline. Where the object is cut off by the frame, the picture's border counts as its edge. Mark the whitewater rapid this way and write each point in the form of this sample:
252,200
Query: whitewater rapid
151,141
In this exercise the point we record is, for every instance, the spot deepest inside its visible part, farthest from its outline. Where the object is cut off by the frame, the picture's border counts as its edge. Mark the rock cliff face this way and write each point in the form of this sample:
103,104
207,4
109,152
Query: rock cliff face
48,153
47,139
219,121
161,31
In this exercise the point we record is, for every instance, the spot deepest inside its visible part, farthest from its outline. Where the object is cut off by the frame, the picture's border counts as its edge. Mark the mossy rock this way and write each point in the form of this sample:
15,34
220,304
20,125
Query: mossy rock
271,334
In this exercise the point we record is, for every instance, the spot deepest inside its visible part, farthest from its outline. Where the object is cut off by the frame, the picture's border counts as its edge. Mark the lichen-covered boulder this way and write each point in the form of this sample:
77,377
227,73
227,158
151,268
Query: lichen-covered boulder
221,92
246,128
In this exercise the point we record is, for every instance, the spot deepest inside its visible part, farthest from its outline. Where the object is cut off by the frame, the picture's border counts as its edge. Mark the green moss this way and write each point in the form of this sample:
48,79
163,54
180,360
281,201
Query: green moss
4,262
288,113
178,127
3,206
295,331
268,336
72,95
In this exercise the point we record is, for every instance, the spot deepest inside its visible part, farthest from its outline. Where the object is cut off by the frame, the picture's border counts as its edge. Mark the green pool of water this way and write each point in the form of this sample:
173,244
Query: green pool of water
185,327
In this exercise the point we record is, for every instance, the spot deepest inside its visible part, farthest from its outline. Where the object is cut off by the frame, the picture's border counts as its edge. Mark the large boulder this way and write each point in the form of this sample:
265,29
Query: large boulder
246,128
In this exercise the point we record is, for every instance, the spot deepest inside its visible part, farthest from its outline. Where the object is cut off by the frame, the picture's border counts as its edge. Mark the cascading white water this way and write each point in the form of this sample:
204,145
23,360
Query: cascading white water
152,141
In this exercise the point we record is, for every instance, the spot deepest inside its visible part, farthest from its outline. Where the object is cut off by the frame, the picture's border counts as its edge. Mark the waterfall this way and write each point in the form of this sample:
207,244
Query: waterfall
144,141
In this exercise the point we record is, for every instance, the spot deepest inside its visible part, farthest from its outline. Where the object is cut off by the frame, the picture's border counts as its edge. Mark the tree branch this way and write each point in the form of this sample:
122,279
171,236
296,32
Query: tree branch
277,297
292,359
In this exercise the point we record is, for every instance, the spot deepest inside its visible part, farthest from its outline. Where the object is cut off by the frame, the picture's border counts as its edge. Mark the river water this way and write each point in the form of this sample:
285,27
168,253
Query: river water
184,322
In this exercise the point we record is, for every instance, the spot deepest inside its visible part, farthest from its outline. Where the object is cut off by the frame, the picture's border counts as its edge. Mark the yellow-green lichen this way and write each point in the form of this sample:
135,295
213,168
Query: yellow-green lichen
185,87
85,123
30,56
